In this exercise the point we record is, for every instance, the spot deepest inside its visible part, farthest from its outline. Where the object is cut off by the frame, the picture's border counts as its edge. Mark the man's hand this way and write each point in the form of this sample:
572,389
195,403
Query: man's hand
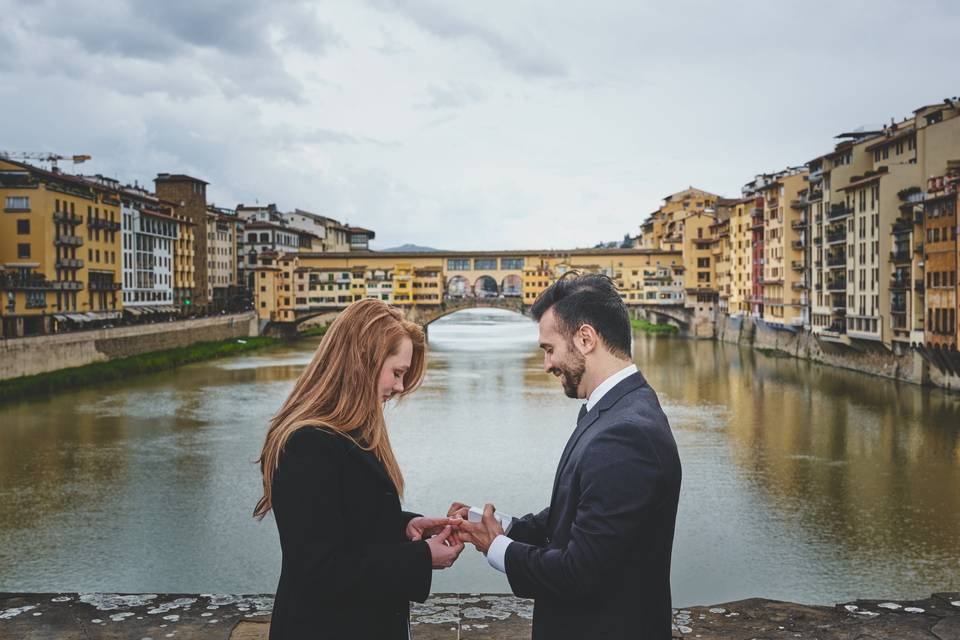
458,509
481,534
421,528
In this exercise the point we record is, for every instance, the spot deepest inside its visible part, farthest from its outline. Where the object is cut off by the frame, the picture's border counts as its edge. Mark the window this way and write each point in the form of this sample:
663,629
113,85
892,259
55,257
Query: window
485,263
23,227
23,250
17,203
458,264
511,263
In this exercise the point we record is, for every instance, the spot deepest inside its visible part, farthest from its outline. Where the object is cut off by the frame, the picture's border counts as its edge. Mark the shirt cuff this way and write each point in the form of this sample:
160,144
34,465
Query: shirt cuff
496,554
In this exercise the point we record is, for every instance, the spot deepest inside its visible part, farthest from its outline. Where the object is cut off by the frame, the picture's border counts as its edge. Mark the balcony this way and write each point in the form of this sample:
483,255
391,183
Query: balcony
918,286
837,260
918,247
798,224
797,244
69,263
798,286
899,282
67,218
69,241
837,284
818,240
772,205
31,282
836,237
900,255
898,307
817,219
104,286
799,203
902,226
839,211
839,328
838,304
814,196
100,223
68,285
797,265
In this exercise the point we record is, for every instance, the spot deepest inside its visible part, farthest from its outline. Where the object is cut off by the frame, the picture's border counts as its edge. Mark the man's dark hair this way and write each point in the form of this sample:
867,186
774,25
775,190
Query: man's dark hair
591,299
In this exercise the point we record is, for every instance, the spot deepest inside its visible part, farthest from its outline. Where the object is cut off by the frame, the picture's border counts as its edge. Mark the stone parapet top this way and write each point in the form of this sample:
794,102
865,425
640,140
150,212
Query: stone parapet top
99,616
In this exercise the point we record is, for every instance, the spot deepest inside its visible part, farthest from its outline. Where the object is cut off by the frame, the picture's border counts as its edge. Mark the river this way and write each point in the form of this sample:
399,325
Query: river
801,482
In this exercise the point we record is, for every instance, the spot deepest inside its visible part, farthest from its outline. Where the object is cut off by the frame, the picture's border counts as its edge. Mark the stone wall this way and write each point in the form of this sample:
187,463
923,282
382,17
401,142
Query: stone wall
40,354
876,360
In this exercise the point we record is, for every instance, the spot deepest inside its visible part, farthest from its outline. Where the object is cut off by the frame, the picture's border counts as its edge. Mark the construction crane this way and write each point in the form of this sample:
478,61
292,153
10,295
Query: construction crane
43,156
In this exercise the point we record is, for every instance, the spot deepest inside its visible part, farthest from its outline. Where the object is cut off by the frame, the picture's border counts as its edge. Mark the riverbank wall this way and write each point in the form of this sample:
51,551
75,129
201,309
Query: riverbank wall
909,366
43,354
103,616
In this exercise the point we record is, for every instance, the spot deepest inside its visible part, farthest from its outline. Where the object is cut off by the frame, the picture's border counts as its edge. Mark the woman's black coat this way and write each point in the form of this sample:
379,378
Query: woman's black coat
348,569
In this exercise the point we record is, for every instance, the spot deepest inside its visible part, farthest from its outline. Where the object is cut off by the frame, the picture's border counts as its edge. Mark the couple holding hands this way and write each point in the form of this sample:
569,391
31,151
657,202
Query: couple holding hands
596,561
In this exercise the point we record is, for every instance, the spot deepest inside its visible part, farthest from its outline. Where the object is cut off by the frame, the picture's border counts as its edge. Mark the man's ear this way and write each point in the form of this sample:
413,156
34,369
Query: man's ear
586,339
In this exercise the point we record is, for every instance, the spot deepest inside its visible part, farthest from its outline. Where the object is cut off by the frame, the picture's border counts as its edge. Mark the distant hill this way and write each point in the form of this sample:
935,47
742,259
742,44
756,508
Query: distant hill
411,248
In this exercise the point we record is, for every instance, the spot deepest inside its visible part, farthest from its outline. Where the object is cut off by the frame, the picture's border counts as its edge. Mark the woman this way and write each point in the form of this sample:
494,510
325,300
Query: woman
352,560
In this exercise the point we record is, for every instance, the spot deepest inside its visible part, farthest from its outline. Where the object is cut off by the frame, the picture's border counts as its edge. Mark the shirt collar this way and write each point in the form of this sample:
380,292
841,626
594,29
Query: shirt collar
610,383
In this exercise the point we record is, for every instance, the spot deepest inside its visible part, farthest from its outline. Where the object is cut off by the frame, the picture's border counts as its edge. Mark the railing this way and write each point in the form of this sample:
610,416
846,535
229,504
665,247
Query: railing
797,265
839,211
900,255
818,240
839,284
837,261
798,286
898,307
68,285
772,204
903,226
834,237
72,241
899,282
799,224
799,203
104,286
69,218
837,327
69,263
31,282
797,244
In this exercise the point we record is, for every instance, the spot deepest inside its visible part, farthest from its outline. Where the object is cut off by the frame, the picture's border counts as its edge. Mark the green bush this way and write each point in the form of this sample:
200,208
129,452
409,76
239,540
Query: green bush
649,327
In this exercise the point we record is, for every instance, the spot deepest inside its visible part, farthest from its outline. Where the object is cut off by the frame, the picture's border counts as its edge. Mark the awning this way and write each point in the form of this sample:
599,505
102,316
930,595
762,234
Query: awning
76,317
59,318
132,311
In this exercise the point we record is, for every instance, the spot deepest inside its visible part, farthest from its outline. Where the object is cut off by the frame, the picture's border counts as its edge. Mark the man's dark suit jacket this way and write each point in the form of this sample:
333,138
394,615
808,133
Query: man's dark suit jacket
348,570
597,560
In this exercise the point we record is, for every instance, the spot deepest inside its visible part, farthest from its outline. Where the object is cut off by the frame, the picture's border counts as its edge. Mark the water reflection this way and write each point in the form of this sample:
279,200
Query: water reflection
801,482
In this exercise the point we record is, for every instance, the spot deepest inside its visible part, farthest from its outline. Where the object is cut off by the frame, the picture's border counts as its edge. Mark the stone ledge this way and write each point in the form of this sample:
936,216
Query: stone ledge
96,616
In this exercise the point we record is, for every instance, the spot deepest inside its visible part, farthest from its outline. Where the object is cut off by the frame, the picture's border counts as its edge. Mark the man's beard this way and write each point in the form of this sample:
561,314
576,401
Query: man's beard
571,373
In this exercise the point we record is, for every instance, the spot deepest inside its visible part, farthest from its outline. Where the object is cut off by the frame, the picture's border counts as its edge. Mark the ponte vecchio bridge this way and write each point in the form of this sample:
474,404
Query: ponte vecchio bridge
305,288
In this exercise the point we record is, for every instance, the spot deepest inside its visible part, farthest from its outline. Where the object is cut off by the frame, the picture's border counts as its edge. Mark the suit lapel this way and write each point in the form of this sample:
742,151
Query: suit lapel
622,388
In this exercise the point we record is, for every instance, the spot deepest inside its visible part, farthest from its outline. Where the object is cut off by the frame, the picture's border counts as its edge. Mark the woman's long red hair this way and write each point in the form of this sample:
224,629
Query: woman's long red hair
338,389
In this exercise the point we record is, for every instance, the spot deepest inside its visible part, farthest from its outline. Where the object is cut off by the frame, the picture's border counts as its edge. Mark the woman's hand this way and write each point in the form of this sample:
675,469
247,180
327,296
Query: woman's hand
421,528
443,550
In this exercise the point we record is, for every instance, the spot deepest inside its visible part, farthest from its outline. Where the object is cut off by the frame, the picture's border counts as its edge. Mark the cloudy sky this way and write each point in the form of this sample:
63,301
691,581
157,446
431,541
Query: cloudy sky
463,125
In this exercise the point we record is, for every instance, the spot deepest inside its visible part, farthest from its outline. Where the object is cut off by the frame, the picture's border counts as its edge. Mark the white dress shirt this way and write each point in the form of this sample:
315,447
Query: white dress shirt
496,554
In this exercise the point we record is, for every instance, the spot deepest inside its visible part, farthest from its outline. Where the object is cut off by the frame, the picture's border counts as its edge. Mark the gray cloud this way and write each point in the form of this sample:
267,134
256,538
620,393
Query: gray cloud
233,46
521,54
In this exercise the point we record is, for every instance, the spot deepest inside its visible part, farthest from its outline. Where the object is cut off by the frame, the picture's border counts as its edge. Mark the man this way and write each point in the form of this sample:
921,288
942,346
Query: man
597,560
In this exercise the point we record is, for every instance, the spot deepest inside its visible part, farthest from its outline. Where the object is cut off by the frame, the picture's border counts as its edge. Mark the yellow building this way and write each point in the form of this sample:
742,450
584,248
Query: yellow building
741,257
784,249
60,246
184,271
